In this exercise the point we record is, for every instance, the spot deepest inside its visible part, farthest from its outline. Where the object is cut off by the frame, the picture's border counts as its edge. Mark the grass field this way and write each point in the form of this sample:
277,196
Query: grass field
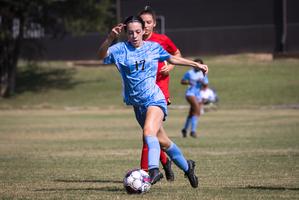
64,136
58,154
242,81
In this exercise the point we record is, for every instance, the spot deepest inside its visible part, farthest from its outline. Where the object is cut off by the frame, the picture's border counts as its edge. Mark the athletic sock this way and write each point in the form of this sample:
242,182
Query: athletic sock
194,120
177,157
144,157
163,157
153,151
187,123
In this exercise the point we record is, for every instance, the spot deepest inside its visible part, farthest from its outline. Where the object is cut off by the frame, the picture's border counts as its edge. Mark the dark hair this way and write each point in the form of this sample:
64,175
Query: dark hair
198,60
148,10
131,19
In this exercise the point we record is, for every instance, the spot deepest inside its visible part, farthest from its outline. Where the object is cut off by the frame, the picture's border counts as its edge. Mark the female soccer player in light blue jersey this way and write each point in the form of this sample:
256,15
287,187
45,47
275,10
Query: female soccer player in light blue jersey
194,78
137,62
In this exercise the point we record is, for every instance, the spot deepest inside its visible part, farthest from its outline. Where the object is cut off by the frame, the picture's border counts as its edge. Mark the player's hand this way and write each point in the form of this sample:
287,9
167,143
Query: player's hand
166,69
116,31
203,68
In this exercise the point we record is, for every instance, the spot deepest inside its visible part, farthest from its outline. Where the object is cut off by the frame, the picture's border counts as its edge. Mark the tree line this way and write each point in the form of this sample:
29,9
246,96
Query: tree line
23,19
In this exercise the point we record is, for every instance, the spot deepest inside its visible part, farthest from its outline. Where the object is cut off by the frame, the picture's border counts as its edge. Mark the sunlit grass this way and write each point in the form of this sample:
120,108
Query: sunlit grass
66,134
83,154
241,81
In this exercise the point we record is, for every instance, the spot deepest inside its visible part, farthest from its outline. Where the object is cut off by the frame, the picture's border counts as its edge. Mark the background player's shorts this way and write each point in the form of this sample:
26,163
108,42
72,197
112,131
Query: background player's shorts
140,111
197,96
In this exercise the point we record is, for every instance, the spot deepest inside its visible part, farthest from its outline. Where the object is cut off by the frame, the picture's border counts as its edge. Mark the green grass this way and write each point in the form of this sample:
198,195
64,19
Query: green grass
248,81
84,154
66,134
242,81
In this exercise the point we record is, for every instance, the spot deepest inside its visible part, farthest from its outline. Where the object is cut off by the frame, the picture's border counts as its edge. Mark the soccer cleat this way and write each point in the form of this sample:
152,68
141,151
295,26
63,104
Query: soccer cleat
191,175
184,133
168,171
193,134
155,175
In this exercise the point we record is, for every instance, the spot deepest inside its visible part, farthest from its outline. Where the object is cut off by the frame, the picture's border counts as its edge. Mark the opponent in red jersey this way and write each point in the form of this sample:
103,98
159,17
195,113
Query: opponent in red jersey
163,68
162,81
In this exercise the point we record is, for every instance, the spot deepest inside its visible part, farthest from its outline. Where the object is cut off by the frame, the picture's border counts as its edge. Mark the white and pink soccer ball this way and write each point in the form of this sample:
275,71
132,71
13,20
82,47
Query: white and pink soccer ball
137,181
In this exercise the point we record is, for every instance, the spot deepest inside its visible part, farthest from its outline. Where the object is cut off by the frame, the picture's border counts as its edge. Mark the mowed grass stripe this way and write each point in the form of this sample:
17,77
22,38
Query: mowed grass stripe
240,154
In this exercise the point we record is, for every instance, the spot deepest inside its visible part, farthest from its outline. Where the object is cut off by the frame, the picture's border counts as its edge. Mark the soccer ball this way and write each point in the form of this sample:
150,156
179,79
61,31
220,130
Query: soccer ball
137,181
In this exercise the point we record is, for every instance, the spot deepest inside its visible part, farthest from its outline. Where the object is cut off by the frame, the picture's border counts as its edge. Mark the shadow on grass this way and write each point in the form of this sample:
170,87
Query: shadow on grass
250,187
34,78
106,189
86,181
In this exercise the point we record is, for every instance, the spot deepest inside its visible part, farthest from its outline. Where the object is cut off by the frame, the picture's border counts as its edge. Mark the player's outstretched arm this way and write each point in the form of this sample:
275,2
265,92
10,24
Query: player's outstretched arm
186,62
168,67
115,33
185,82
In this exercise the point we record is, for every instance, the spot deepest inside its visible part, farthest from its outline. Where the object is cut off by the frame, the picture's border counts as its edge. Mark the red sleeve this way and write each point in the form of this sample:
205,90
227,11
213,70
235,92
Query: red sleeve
170,46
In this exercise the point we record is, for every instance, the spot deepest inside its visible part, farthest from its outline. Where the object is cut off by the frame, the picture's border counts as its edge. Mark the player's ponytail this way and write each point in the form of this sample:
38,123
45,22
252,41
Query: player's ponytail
148,10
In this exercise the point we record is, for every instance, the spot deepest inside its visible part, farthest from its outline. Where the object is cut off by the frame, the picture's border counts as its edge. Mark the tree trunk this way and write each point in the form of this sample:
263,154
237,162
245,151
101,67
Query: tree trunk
6,41
4,71
9,53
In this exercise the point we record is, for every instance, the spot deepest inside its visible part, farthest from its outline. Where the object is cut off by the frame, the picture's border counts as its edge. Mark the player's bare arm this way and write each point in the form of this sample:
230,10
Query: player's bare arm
182,61
185,82
115,33
168,67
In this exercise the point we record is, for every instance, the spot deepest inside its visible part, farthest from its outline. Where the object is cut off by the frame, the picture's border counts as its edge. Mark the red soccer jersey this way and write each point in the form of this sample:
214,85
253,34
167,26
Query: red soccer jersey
163,80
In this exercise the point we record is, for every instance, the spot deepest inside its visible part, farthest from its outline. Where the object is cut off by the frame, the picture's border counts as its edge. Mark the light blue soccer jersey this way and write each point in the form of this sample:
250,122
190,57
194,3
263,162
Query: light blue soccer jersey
138,69
196,78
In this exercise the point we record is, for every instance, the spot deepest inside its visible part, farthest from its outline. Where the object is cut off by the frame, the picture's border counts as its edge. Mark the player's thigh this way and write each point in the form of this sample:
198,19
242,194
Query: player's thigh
153,120
192,100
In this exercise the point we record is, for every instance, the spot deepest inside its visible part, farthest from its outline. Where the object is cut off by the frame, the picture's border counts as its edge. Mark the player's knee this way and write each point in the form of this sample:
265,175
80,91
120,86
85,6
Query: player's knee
148,131
196,112
165,144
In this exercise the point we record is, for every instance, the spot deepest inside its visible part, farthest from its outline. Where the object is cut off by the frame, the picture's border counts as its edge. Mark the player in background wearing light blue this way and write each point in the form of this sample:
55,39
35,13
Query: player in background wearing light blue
194,78
137,62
